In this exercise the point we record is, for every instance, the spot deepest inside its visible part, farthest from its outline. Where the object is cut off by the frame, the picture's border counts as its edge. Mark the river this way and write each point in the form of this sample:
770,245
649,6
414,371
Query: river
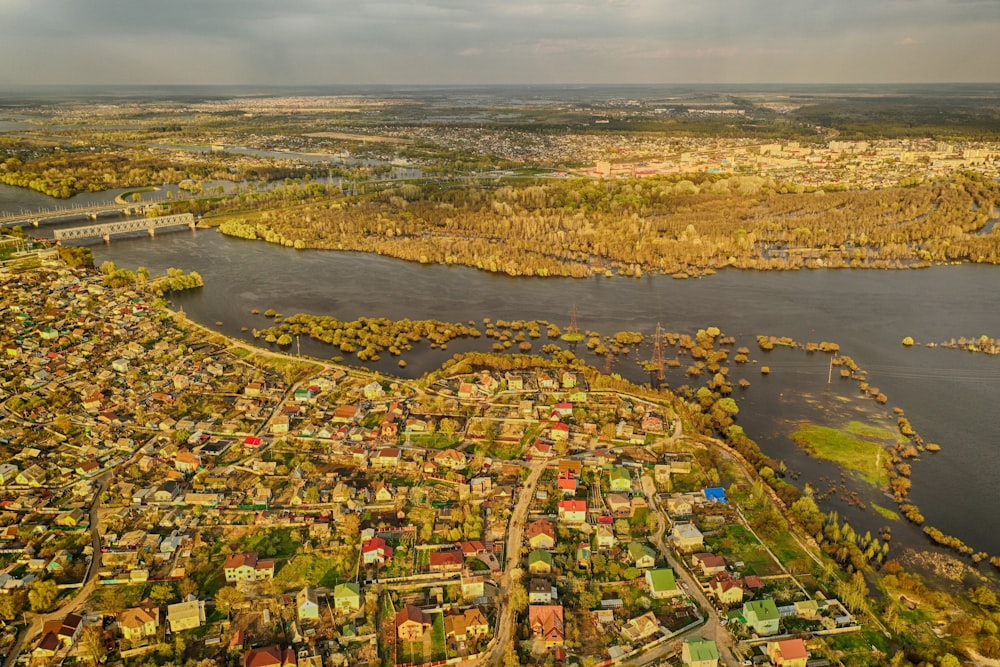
948,395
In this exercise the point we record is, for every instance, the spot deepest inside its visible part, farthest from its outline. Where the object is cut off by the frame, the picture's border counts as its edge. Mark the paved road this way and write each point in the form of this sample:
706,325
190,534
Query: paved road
82,593
515,531
713,628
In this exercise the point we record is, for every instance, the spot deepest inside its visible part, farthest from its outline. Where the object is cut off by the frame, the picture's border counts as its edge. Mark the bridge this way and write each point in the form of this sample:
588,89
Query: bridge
105,230
90,211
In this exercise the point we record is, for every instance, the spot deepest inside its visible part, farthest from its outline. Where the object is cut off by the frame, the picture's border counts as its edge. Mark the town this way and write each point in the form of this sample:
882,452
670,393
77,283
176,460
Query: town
170,495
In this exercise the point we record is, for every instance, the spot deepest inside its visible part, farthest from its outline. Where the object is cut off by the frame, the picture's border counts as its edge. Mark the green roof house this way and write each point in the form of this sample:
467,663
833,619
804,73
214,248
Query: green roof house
347,597
641,554
761,616
661,583
539,562
621,480
699,652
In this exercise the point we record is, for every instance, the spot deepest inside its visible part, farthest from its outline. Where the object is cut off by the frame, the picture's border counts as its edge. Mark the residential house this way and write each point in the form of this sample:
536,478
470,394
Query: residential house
373,390
546,623
788,653
620,479
461,626
641,627
186,615
280,424
450,560
347,597
559,431
539,562
541,591
383,493
662,584
33,475
375,551
306,604
449,458
605,536
473,587
573,511
270,656
726,589
8,472
619,504
139,622
411,623
58,634
708,563
699,652
567,483
761,616
583,554
641,554
387,457
540,534
540,450
686,537
247,567
187,462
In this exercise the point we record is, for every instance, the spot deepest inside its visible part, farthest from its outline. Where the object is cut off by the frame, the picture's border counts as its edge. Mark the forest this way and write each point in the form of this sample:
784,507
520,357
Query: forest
680,226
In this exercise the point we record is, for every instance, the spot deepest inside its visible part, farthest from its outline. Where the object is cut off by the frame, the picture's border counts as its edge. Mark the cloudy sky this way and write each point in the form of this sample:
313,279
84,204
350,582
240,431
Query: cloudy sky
497,41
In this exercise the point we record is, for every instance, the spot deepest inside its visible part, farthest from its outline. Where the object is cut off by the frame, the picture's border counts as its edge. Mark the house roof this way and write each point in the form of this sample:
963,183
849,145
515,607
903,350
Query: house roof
546,620
349,589
790,649
539,556
138,617
764,610
412,614
662,579
716,494
710,560
701,649
573,505
245,559
540,527
266,656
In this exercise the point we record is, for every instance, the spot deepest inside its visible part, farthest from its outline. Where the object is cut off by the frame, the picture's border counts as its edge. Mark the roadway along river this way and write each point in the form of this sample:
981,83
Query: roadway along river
949,396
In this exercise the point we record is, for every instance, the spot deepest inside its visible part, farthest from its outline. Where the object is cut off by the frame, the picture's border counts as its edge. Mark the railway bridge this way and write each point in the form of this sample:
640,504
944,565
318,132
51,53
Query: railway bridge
149,225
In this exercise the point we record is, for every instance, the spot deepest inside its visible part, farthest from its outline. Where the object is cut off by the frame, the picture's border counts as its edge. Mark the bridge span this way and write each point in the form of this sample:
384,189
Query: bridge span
90,211
105,230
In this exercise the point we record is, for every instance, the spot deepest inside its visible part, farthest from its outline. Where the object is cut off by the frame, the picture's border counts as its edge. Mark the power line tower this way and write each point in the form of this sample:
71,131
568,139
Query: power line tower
656,363
572,335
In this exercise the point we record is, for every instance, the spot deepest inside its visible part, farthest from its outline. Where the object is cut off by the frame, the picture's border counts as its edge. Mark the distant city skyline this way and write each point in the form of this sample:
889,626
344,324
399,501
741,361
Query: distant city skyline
450,42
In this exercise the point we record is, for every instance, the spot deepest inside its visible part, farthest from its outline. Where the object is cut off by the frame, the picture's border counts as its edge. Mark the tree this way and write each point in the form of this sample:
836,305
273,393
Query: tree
113,600
42,595
518,598
11,605
92,644
227,597
162,593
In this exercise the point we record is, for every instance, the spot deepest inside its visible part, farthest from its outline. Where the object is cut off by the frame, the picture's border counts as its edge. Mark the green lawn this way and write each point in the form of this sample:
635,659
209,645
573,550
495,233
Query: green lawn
846,448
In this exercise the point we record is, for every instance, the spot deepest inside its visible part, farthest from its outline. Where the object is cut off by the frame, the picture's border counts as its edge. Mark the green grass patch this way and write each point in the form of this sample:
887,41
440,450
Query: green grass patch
885,512
314,569
438,648
846,450
870,431
433,440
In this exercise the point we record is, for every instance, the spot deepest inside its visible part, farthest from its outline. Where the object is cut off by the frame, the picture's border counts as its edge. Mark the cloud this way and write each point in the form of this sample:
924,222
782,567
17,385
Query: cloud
553,41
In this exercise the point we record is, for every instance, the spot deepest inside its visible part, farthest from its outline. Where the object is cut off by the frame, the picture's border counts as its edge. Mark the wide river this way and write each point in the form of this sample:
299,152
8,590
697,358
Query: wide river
950,396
